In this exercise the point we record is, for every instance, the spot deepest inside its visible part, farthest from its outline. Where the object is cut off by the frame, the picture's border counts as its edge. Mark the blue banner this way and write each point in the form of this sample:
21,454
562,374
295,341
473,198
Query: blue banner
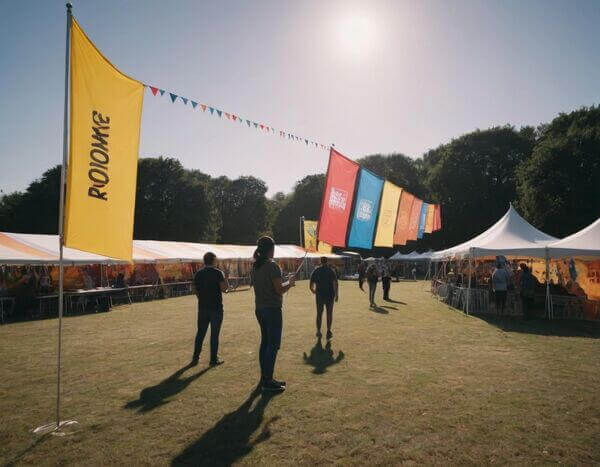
366,208
422,220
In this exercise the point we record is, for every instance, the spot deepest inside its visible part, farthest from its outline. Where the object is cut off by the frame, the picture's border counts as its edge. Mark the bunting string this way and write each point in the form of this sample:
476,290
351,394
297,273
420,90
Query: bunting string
235,118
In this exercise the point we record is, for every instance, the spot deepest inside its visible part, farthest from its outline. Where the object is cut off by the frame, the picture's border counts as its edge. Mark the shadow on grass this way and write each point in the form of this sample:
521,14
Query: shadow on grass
16,460
389,307
543,327
229,440
322,358
380,310
155,396
391,300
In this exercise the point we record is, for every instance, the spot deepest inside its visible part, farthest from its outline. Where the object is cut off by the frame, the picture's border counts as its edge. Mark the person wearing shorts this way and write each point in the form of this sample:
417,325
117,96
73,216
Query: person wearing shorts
324,284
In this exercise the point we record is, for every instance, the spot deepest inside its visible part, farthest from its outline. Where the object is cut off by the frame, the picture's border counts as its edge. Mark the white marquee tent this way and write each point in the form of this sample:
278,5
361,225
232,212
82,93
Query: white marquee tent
17,248
585,243
510,236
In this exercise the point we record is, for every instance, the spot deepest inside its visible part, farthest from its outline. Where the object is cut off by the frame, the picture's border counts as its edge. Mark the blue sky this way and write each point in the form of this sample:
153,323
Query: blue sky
371,77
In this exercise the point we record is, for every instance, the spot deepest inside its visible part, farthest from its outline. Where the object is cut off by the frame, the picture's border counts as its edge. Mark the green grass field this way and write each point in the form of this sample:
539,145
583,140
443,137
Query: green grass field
414,382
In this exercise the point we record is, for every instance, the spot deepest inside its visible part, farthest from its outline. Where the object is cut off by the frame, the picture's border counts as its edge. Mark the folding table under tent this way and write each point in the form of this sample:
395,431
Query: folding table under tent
510,236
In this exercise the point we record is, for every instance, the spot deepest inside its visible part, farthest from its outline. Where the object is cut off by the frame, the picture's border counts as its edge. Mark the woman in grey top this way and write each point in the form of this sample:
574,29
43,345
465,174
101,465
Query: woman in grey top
269,288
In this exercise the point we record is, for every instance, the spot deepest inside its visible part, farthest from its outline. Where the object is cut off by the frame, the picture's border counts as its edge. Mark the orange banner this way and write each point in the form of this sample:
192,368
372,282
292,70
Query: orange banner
402,223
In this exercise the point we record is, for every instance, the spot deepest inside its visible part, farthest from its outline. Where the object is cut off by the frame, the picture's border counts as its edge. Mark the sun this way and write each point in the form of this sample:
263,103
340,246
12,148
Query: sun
356,34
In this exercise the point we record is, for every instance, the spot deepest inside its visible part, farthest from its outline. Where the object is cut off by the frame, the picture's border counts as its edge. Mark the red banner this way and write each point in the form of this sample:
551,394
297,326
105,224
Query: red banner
336,205
437,218
415,214
402,223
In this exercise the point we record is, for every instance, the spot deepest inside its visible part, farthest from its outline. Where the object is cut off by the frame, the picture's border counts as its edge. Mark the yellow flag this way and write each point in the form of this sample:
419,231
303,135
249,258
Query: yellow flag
429,218
324,248
106,111
388,211
310,235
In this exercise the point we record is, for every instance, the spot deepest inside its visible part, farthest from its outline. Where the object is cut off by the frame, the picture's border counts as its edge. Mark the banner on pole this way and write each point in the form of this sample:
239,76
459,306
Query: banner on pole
337,199
388,213
429,218
402,223
422,220
415,215
310,235
438,217
365,212
106,110
324,248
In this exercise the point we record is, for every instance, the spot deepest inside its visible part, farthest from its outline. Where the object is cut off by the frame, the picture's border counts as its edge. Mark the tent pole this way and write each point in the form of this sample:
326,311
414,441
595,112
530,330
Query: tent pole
301,229
469,287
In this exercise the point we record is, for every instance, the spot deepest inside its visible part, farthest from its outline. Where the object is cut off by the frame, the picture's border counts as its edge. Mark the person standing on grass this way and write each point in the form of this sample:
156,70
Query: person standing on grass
372,275
501,280
269,288
324,284
386,280
209,284
527,288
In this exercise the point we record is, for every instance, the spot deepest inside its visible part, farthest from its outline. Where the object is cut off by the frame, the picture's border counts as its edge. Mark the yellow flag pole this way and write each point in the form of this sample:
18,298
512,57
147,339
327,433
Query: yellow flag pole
56,427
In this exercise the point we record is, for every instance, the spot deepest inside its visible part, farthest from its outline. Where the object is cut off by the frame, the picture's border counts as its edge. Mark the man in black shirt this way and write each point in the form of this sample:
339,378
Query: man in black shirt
324,284
209,283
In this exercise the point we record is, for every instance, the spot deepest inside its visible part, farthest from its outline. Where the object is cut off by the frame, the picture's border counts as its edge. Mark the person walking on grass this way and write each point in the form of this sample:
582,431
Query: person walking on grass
269,288
386,280
372,275
209,285
324,284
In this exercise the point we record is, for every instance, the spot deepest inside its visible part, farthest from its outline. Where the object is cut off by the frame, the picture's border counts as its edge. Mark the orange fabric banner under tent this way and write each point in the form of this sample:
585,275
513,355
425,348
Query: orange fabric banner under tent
106,111
310,235
413,224
402,223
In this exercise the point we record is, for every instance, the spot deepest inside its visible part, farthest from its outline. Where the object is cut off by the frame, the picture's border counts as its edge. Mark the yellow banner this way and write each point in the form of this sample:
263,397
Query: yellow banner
388,211
106,111
310,235
324,248
429,218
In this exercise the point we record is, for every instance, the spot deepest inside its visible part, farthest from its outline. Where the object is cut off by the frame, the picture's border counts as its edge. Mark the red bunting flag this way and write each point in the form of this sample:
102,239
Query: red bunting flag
154,90
336,205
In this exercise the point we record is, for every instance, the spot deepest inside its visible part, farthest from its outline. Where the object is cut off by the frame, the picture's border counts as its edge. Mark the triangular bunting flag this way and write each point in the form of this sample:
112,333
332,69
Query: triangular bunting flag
234,117
212,111
184,99
162,92
173,97
203,107
255,124
248,122
194,104
262,127
306,141
227,115
154,90
219,112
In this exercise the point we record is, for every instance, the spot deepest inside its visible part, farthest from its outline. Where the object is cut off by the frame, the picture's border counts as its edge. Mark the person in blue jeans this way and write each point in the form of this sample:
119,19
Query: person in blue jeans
269,288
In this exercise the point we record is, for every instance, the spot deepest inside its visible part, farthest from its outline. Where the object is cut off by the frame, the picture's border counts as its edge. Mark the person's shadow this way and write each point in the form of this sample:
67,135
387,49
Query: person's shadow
322,358
379,309
229,439
159,394
390,300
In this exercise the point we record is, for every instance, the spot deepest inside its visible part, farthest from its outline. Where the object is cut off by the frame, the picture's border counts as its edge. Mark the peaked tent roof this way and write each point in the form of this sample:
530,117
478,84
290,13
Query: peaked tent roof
584,243
511,236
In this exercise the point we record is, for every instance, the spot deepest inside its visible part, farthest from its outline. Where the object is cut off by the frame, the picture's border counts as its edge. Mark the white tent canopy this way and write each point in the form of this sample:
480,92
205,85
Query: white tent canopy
584,243
17,248
510,236
412,256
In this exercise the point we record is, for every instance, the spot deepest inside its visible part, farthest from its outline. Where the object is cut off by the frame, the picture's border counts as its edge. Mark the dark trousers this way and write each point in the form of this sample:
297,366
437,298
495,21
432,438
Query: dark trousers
386,282
215,319
372,288
324,302
500,299
527,305
270,321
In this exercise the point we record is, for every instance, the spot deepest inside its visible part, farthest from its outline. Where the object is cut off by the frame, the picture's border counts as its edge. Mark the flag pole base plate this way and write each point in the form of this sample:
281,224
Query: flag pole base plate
64,428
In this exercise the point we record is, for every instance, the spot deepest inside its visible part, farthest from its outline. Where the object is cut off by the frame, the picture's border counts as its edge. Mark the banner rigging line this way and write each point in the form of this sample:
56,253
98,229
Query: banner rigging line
234,118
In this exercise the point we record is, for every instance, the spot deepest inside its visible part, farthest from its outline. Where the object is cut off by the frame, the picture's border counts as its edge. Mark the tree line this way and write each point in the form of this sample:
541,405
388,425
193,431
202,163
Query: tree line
551,174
